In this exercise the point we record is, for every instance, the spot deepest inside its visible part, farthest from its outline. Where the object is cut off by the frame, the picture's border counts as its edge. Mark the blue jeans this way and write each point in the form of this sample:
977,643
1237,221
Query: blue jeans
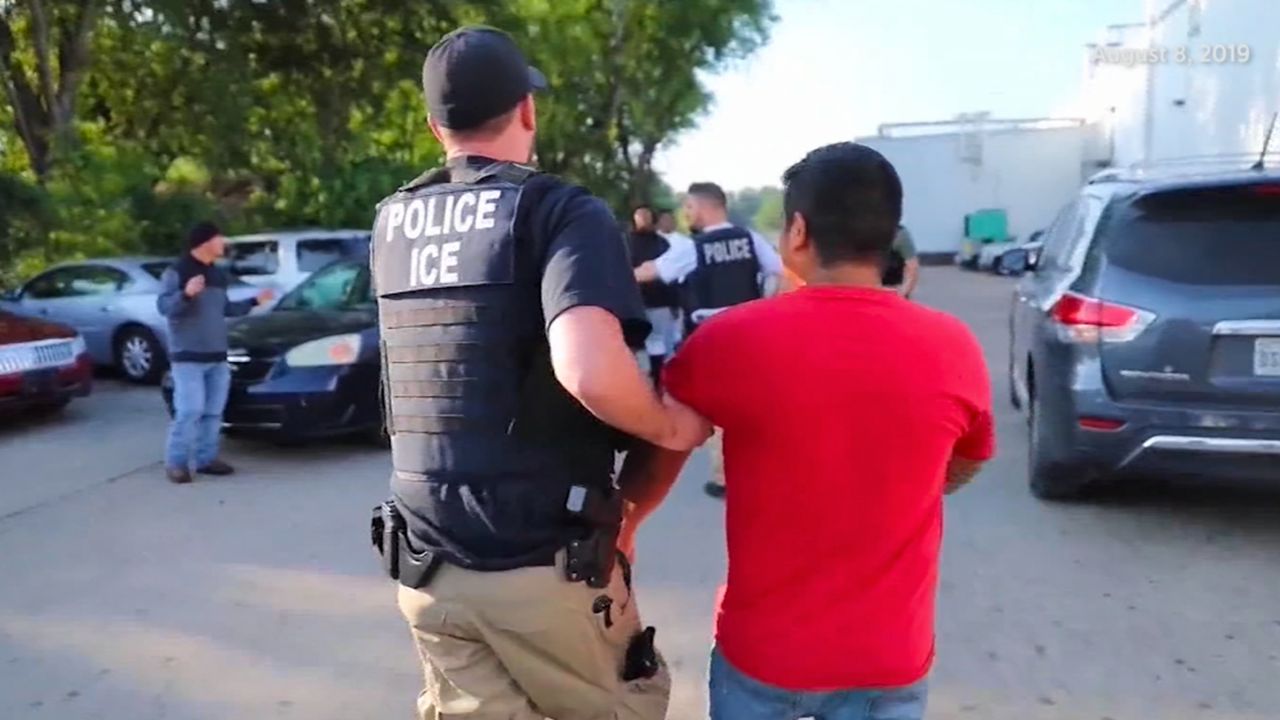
734,696
199,397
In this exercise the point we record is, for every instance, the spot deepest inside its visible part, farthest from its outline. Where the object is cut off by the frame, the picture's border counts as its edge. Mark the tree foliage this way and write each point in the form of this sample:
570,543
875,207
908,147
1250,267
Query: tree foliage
44,54
760,208
129,119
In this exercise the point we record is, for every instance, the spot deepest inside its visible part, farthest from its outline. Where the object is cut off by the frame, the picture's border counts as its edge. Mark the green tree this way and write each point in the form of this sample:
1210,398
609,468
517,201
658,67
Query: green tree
140,116
626,79
23,212
769,216
41,77
760,208
743,205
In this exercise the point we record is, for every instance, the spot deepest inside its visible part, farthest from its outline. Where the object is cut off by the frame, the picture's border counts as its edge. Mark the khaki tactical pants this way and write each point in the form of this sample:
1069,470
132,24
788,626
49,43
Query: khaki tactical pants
715,444
525,645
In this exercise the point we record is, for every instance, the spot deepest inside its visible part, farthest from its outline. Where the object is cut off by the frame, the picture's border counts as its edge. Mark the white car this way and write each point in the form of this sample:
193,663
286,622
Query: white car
280,260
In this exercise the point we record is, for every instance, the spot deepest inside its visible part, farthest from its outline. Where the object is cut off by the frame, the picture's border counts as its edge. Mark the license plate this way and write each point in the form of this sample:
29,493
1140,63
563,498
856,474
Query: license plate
39,382
1266,357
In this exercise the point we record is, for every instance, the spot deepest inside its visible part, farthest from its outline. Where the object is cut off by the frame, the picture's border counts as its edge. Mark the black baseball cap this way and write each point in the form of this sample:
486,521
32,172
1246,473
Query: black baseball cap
201,233
475,74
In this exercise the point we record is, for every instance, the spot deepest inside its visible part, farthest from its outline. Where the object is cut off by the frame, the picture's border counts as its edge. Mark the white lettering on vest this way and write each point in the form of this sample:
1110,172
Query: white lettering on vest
460,213
395,216
463,220
488,205
724,251
448,213
449,261
433,222
434,264
414,218
427,273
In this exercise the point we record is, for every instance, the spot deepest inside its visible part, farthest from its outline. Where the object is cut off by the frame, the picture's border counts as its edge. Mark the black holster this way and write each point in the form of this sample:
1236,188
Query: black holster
413,569
642,657
596,516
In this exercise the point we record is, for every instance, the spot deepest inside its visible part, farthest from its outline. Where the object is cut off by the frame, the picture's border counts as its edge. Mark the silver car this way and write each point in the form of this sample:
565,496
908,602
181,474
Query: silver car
112,303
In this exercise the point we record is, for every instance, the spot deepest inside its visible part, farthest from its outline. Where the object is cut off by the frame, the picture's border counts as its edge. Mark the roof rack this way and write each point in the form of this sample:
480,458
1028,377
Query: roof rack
1187,163
1222,159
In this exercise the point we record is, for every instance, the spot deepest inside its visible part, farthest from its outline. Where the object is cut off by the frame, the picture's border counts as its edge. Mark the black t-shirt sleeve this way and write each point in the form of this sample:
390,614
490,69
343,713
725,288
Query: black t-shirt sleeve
587,263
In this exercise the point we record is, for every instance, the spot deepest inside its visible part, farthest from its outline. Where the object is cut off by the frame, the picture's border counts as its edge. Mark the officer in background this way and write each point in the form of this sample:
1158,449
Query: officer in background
506,310
902,267
725,265
661,301
667,226
671,233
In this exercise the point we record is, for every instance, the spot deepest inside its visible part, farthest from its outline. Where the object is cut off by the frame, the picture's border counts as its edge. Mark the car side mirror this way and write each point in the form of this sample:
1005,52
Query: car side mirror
1017,261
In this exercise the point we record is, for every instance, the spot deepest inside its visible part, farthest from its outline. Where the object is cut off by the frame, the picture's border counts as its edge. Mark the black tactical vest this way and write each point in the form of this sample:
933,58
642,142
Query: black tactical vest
727,273
485,442
646,246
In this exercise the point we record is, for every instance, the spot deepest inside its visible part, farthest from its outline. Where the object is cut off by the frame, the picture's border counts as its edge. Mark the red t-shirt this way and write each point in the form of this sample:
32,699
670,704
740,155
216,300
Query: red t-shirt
841,408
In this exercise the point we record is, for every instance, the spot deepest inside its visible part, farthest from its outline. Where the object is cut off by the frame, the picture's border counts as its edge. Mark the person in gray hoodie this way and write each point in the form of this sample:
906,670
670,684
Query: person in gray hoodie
193,297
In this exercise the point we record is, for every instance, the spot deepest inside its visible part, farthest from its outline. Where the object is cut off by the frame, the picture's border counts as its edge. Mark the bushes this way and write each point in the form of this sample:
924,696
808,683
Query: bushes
23,215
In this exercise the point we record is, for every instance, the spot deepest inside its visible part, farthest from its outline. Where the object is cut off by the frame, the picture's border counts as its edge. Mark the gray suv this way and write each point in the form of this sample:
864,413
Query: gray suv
1146,337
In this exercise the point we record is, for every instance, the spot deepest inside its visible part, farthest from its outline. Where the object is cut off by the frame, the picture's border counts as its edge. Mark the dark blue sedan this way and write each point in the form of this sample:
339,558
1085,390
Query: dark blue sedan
310,367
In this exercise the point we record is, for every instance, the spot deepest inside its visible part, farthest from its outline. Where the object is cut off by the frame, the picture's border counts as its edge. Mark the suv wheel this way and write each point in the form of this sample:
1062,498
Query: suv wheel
1049,479
139,355
377,436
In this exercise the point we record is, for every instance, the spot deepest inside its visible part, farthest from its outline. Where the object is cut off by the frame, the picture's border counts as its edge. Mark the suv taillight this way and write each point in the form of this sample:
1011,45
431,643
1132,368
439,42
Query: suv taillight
1082,319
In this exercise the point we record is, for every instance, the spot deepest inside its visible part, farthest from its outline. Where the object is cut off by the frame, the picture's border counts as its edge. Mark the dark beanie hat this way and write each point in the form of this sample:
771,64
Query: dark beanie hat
201,234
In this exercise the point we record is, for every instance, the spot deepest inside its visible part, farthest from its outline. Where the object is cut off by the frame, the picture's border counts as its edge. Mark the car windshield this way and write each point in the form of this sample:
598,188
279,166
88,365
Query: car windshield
338,287
156,269
253,257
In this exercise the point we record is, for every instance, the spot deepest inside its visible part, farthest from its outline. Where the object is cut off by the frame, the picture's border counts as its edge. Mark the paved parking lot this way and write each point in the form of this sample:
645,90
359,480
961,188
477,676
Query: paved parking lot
257,597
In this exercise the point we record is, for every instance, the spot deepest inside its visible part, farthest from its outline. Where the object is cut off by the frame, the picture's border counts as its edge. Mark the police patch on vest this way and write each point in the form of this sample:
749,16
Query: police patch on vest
446,239
724,251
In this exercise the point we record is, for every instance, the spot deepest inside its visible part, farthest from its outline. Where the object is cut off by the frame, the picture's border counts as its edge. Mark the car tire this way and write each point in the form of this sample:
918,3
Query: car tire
377,436
1014,400
139,355
1050,479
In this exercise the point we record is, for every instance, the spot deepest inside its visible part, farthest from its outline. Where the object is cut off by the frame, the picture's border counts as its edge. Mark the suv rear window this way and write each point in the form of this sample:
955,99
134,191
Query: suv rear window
256,257
1210,236
315,253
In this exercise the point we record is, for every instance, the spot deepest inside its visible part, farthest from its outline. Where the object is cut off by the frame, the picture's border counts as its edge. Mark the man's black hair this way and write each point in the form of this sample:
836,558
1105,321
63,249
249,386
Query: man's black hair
659,212
850,198
644,206
710,191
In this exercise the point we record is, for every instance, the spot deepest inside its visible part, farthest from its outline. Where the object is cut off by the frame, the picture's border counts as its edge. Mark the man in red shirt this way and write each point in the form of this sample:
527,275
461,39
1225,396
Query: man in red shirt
875,408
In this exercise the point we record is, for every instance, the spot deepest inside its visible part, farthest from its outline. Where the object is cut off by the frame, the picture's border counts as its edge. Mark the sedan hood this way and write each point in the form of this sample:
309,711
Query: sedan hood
19,329
276,332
